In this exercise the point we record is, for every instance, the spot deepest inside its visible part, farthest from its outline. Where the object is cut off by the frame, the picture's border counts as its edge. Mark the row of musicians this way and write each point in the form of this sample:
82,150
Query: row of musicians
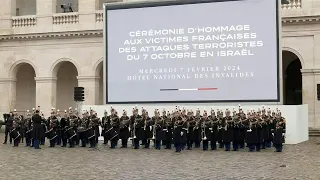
186,131
182,131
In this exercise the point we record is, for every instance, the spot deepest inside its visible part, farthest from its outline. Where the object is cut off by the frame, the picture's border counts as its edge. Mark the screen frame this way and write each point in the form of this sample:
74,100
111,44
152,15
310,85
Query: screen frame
146,4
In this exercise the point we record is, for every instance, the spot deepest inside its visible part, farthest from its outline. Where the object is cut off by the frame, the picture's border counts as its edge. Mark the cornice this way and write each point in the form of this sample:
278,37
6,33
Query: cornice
7,80
88,78
301,19
310,71
99,33
52,35
45,79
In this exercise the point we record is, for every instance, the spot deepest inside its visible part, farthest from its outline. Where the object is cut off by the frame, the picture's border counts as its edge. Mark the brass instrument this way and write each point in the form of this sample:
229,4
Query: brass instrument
124,122
204,136
214,123
251,123
227,123
154,129
188,125
133,131
145,124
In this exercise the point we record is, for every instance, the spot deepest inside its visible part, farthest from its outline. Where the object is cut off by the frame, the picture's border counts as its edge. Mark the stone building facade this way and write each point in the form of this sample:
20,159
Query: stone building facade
45,53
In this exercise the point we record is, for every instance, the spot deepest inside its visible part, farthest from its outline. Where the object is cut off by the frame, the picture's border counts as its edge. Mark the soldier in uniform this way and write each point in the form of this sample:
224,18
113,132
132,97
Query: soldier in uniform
16,128
259,126
105,126
279,133
76,124
237,138
72,122
197,129
178,131
38,129
221,130
63,127
264,128
9,124
214,130
96,123
148,133
205,130
44,125
82,128
115,128
268,129
190,125
228,130
53,125
124,129
22,128
91,129
251,135
29,129
168,130
136,124
157,128
164,117
58,139
242,128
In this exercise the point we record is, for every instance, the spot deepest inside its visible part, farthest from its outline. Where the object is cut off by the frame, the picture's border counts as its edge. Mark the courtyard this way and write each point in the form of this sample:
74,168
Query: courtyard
296,162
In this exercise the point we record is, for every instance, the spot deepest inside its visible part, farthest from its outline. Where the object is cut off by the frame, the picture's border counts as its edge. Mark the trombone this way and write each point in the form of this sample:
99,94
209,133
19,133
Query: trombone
204,136
133,136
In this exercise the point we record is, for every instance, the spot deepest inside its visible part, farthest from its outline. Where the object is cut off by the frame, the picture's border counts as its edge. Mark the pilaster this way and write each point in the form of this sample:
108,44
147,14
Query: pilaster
317,102
46,93
91,88
45,9
8,94
309,94
7,10
87,13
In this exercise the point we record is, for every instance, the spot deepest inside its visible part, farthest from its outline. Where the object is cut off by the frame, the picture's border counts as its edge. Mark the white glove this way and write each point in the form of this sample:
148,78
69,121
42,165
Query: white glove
272,134
181,133
283,134
210,129
150,127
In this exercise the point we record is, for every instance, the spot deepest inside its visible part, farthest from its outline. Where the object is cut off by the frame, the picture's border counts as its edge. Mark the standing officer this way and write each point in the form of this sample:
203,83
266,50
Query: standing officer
9,125
36,119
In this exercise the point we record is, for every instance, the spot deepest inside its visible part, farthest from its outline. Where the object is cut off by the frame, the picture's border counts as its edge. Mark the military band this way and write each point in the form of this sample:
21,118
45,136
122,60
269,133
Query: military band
182,128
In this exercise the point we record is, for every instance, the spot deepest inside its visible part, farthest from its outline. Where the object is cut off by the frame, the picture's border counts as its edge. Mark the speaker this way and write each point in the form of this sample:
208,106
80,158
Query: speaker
78,93
318,92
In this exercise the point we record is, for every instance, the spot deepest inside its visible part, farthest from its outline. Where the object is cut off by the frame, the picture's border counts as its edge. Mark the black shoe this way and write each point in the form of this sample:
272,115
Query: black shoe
4,142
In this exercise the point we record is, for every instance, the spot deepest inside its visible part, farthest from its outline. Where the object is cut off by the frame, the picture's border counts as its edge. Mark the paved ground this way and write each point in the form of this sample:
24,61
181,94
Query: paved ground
301,162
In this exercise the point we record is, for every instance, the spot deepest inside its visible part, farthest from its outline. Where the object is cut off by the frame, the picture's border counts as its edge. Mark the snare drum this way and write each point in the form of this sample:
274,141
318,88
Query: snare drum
51,134
15,134
71,133
90,133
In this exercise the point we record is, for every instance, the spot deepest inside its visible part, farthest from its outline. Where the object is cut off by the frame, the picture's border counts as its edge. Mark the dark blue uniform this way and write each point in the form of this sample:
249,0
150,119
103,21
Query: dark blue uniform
38,130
